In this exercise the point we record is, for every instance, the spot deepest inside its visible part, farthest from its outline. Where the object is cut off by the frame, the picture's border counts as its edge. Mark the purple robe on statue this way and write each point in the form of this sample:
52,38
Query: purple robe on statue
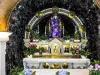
55,27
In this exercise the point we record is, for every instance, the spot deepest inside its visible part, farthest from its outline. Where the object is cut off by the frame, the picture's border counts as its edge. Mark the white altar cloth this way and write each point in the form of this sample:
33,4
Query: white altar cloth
39,61
57,60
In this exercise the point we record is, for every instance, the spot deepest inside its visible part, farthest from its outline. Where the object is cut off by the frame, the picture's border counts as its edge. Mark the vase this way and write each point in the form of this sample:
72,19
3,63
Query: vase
83,57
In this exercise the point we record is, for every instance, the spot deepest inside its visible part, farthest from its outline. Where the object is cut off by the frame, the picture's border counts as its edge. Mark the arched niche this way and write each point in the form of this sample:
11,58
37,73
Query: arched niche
70,14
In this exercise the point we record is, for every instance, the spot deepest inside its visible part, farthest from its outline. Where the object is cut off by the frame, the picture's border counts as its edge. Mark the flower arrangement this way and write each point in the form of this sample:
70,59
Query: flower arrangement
62,72
85,53
73,51
94,70
30,50
32,45
28,72
41,50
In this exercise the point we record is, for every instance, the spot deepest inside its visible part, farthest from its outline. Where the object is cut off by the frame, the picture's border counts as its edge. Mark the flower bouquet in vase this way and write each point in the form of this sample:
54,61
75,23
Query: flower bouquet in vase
32,48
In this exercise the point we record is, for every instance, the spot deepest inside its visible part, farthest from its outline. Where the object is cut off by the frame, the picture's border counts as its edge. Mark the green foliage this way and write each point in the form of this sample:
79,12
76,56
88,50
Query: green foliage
28,28
41,50
44,37
73,51
68,73
30,51
16,70
85,53
36,36
77,35
57,73
95,72
95,62
66,37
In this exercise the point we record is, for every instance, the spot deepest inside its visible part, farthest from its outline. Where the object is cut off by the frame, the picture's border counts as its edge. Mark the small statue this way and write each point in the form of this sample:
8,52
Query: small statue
55,49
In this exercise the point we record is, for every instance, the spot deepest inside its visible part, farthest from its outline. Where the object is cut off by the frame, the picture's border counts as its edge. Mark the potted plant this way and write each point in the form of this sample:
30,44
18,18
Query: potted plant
66,37
95,68
77,36
36,36
73,52
41,50
62,72
30,50
44,37
85,53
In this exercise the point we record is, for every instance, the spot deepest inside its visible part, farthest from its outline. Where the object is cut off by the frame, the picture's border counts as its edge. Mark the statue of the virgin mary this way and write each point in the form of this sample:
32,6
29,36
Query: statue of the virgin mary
55,27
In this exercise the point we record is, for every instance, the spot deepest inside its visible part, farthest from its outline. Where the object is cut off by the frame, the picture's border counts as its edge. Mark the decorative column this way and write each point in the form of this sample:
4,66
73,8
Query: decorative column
3,39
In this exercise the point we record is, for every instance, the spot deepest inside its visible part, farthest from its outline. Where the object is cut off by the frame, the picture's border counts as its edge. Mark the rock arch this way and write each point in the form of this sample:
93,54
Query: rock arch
65,12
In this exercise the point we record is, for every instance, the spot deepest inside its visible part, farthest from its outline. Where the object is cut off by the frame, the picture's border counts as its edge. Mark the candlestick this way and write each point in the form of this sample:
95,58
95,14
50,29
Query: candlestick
38,29
63,30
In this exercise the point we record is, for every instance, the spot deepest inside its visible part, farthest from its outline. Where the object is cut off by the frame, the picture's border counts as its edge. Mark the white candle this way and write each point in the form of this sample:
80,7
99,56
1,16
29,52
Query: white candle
38,29
63,30
45,30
